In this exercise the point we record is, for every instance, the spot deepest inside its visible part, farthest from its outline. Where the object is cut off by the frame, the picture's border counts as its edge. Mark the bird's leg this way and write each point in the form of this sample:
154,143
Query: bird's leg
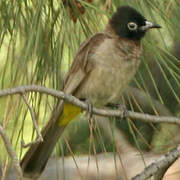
121,107
89,109
89,114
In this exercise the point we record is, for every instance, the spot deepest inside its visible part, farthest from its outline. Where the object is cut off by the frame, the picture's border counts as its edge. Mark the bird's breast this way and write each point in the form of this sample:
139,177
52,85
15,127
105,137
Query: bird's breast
112,71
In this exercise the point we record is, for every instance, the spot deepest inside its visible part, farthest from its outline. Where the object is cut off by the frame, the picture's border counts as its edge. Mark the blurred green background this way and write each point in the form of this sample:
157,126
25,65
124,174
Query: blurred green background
38,41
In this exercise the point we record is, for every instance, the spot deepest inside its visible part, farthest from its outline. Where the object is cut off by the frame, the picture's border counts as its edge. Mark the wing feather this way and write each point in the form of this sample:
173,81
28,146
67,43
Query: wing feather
81,66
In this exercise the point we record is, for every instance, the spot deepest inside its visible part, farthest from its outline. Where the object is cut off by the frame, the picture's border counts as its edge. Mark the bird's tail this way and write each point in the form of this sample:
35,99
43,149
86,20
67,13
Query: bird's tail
34,161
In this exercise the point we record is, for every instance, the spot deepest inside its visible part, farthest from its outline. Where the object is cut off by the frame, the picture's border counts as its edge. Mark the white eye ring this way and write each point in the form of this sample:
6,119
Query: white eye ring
132,26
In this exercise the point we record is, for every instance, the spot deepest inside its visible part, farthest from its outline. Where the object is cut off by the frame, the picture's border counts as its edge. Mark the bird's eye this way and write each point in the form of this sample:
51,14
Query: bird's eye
132,26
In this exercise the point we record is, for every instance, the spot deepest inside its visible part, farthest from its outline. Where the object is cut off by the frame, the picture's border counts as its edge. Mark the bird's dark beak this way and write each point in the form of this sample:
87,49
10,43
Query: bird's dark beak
149,25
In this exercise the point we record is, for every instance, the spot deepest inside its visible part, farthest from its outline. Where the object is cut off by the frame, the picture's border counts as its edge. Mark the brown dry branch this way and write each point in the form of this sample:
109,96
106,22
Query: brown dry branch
84,106
11,152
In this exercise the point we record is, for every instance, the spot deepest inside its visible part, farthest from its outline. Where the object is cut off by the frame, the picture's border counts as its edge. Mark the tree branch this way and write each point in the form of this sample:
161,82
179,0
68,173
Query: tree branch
163,162
33,116
84,106
11,152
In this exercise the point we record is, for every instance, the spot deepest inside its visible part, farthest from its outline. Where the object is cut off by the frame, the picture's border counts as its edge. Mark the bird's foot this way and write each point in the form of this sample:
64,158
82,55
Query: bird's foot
89,109
120,107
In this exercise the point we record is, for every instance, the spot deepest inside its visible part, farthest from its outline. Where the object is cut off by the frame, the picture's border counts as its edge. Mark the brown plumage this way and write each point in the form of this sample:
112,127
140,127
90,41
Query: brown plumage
103,67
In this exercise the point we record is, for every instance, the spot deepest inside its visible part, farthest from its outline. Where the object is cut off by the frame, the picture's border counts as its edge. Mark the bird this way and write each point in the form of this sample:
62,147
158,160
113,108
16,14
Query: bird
103,67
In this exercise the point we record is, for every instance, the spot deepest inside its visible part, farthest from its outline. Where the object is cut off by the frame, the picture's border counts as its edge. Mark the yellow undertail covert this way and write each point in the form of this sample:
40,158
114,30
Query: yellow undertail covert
70,111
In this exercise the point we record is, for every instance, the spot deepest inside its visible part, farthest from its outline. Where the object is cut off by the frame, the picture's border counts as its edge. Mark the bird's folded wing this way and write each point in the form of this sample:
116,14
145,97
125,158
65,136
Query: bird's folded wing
81,65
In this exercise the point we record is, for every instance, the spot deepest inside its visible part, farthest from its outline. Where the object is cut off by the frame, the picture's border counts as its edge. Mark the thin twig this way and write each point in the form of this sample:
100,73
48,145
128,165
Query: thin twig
163,162
73,156
117,137
84,106
11,152
33,116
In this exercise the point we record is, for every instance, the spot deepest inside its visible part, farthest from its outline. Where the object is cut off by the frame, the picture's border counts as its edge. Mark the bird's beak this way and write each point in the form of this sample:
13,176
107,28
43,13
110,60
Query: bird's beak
149,25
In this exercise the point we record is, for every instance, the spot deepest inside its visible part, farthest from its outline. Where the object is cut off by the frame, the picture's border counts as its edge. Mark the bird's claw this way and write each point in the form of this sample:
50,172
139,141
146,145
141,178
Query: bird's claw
121,107
89,109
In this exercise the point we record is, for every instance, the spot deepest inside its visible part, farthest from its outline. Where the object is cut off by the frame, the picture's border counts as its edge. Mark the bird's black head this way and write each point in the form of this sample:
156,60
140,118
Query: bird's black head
129,23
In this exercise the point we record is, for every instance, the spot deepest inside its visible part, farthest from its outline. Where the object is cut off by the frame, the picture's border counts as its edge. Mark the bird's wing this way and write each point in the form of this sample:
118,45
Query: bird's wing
81,66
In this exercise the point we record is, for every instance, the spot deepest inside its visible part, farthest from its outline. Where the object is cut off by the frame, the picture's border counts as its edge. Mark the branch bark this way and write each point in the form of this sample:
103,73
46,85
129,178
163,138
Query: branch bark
11,152
33,116
84,106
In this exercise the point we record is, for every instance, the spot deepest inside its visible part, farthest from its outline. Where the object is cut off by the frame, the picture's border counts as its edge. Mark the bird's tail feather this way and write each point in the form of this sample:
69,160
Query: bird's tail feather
34,161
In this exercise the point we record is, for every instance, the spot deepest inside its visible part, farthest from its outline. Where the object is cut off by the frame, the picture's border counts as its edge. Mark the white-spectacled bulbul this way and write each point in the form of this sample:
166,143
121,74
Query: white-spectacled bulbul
102,68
